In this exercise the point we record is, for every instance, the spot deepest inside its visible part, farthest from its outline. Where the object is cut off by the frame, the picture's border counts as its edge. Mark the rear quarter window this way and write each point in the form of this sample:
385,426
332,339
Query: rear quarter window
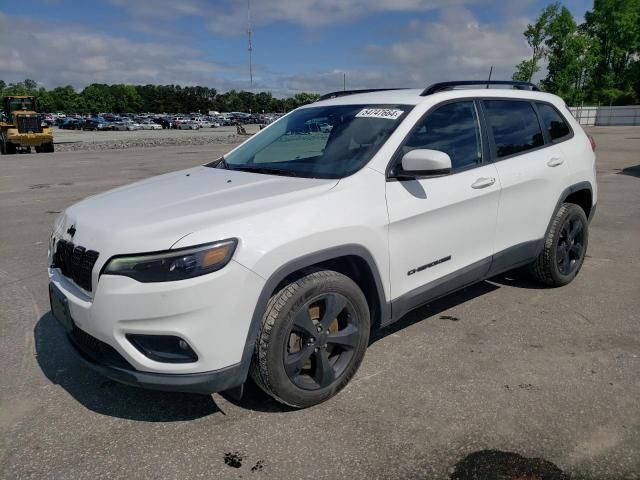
553,121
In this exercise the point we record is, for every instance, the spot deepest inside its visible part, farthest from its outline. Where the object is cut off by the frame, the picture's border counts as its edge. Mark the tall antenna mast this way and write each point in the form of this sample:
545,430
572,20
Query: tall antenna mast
250,43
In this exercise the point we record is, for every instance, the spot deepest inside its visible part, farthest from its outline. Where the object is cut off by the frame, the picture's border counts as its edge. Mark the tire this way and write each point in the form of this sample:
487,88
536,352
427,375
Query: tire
564,248
48,147
322,350
10,148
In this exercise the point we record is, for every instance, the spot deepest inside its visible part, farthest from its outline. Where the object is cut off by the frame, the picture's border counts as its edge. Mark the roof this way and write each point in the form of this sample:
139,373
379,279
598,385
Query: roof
415,97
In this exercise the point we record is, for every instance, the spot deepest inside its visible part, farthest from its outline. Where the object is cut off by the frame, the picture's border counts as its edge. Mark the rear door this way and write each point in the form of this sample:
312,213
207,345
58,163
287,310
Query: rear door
532,175
441,231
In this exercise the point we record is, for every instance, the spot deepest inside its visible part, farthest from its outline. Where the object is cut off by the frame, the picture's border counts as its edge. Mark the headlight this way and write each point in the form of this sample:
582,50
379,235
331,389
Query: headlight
173,264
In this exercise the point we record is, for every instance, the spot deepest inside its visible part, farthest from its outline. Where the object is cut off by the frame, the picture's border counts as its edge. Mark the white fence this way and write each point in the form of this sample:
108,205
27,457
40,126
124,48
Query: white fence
607,116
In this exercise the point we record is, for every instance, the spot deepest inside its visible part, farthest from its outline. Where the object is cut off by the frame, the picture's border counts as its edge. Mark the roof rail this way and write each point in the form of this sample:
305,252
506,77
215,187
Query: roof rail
442,86
343,93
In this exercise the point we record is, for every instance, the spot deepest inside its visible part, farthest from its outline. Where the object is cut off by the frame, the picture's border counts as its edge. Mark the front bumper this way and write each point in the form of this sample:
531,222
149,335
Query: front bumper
203,383
31,139
212,313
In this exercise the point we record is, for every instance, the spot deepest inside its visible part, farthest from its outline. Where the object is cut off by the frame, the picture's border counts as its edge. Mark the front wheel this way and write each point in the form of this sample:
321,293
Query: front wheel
565,247
314,334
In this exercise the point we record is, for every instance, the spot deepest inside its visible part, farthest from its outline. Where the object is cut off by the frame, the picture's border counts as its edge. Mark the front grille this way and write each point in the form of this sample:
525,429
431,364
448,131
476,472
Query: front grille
97,350
75,262
29,124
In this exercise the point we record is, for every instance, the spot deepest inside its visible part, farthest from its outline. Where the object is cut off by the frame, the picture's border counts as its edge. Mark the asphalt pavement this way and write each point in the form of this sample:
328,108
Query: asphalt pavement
505,376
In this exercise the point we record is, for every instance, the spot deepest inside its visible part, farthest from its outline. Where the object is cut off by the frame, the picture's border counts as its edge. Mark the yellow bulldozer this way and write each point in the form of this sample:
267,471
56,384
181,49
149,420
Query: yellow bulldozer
21,127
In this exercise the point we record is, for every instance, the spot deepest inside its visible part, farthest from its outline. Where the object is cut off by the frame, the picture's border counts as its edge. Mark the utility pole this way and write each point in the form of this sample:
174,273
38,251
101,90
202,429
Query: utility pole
250,43
344,81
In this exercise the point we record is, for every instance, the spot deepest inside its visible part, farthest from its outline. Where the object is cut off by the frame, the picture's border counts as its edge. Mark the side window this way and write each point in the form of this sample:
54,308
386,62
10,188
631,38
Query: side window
514,124
555,124
453,129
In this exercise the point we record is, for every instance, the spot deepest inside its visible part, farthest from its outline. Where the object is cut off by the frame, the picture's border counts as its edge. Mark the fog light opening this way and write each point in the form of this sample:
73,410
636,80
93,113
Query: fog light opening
163,348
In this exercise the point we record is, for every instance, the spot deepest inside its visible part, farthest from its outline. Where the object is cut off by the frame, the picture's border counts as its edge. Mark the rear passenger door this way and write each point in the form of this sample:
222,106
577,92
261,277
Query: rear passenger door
441,229
532,175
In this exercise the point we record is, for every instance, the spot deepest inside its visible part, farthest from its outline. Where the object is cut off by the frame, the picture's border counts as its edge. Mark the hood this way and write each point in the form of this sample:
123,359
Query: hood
154,214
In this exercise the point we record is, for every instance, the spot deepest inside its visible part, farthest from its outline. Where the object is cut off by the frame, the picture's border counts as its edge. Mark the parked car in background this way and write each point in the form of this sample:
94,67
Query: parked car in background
119,126
48,119
150,125
71,124
176,121
126,124
203,122
188,125
164,122
96,123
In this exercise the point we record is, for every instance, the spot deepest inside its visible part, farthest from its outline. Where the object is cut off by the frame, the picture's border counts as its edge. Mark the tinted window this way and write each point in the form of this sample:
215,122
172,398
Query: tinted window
553,121
515,126
453,129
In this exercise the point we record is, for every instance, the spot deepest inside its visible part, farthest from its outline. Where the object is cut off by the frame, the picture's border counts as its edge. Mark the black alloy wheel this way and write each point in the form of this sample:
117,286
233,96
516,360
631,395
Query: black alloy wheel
570,248
321,342
313,337
565,247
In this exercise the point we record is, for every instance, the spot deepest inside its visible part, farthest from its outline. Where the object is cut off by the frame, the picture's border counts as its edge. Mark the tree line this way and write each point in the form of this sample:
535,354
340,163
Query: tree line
594,62
97,98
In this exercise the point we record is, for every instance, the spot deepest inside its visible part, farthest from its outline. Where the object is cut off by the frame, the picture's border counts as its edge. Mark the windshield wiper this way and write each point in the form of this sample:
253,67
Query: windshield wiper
265,170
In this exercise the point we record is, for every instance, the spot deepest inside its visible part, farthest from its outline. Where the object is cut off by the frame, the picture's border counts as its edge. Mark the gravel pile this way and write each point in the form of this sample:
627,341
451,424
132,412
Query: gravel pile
126,143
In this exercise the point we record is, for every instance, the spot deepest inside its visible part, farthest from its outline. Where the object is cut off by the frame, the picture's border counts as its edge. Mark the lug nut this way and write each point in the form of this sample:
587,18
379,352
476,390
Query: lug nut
319,327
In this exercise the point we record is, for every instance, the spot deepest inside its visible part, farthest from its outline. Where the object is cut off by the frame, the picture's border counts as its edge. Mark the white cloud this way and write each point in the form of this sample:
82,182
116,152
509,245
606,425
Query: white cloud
229,17
64,54
314,13
455,46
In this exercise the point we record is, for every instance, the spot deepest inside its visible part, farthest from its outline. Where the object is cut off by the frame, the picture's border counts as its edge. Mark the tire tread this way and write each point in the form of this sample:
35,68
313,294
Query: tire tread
542,268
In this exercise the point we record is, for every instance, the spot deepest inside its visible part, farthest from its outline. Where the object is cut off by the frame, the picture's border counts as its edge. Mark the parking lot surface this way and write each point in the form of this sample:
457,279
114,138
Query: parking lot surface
504,365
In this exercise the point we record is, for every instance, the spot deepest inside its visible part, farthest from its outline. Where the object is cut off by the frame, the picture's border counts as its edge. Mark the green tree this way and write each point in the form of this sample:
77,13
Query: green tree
67,100
30,85
536,34
615,25
119,98
594,62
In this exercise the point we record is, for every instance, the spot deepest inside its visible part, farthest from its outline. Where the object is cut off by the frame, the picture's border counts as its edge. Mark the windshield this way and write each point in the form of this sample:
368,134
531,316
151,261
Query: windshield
318,142
16,104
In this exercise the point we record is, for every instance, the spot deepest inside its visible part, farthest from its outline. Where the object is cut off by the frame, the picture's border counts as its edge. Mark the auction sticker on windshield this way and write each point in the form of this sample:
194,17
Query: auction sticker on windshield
389,113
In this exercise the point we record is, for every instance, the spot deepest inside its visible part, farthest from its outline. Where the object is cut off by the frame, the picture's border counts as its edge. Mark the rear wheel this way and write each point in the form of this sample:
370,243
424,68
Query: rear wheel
10,148
313,338
47,147
564,248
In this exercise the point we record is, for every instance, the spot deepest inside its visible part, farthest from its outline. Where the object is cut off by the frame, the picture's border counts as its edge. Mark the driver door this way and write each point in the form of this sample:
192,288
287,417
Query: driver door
442,229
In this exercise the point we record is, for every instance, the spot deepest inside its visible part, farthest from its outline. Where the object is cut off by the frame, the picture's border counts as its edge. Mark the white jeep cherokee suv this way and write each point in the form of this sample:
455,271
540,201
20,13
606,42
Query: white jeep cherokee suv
278,259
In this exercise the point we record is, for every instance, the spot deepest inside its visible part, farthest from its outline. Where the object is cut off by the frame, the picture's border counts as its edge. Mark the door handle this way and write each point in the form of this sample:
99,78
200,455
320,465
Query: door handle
555,161
483,182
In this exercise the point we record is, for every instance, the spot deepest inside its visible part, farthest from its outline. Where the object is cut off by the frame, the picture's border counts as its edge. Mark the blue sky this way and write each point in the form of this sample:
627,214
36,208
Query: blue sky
299,45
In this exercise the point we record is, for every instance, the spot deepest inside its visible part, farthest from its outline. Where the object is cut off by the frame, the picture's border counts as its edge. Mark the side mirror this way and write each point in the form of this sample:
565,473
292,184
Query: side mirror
426,163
